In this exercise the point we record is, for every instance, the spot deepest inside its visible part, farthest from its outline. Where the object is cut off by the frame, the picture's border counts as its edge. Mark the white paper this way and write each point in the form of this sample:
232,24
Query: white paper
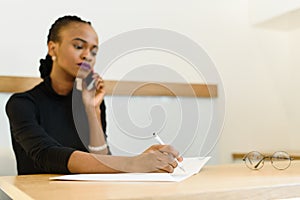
191,166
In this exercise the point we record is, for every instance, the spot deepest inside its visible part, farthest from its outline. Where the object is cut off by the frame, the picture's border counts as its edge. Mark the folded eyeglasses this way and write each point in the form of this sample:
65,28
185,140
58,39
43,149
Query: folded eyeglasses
280,160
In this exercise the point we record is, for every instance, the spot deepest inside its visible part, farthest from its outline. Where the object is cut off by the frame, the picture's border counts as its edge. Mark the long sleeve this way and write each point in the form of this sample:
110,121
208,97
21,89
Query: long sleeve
46,153
46,128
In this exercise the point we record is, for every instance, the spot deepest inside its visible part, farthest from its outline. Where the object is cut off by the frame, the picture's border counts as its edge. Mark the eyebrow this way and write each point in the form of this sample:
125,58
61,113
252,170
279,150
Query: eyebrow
82,40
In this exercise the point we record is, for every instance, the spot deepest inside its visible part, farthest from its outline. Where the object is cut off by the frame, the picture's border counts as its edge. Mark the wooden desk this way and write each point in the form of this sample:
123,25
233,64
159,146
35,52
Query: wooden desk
233,181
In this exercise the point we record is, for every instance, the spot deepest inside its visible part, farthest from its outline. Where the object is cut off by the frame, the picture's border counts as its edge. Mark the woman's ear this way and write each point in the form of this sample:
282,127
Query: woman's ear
52,48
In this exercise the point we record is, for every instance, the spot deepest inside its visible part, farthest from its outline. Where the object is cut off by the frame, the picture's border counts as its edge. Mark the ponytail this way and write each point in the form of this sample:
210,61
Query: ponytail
45,66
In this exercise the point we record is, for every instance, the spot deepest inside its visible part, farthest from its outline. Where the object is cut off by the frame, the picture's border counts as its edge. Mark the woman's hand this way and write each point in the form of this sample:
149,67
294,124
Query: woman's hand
157,158
94,97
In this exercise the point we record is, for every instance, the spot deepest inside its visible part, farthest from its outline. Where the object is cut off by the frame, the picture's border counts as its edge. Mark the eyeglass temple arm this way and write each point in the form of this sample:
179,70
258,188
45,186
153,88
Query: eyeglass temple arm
244,159
260,161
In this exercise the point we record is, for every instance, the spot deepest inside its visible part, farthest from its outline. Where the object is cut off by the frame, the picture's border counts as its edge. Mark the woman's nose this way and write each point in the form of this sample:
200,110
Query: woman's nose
86,55
85,58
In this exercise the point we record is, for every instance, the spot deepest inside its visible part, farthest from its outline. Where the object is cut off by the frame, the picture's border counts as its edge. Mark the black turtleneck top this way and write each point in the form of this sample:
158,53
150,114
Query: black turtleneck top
46,128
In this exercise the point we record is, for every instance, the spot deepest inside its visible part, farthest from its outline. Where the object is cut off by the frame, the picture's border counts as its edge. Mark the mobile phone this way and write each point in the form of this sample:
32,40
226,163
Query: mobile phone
89,80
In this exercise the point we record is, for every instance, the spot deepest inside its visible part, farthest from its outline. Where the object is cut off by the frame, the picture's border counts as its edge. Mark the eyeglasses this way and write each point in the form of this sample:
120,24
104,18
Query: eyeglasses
279,160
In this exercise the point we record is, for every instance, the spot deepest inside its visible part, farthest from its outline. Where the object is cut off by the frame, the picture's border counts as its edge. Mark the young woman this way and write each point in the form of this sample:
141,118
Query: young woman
43,120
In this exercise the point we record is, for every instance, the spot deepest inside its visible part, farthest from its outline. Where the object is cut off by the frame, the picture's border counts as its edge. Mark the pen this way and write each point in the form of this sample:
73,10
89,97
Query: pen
161,142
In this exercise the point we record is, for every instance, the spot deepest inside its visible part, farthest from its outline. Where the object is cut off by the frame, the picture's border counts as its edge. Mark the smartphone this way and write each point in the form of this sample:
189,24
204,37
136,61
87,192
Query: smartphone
89,80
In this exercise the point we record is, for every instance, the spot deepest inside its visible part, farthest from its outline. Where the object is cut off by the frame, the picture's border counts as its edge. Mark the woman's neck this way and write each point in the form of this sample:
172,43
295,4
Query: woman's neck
62,83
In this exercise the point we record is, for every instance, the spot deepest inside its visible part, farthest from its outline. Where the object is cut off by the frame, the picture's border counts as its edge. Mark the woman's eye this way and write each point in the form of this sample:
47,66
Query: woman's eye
77,46
94,53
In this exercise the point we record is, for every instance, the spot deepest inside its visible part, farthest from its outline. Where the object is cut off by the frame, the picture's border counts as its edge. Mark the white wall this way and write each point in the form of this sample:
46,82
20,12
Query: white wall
7,159
262,11
257,62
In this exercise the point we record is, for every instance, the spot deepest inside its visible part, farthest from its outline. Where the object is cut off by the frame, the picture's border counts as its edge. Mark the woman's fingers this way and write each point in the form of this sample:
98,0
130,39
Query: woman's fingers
167,169
174,164
99,83
166,155
166,162
94,96
170,150
157,158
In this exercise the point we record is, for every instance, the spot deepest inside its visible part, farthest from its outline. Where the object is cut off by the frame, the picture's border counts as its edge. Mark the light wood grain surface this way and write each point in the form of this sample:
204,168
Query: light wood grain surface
12,84
233,181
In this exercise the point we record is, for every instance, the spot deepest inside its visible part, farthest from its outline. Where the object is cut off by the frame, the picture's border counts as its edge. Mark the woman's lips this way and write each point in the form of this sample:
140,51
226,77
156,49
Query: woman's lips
85,66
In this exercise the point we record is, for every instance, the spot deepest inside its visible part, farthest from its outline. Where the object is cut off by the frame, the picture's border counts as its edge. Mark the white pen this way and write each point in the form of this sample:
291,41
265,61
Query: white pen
161,142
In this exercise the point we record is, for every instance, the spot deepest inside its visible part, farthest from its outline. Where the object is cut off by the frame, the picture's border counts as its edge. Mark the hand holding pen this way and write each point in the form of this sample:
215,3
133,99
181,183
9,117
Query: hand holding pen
161,142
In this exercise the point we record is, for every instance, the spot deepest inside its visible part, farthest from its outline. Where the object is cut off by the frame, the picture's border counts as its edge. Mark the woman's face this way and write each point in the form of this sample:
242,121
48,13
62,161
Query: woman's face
78,44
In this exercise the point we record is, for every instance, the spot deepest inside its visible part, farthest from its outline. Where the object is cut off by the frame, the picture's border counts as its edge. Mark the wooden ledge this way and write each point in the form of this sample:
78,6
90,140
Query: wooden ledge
240,155
12,84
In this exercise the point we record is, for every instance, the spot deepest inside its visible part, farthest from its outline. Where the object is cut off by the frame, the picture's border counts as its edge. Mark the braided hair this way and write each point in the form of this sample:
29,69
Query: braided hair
46,63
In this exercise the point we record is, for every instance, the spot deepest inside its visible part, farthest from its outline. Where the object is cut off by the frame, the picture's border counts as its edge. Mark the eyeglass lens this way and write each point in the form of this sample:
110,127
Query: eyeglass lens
281,160
254,160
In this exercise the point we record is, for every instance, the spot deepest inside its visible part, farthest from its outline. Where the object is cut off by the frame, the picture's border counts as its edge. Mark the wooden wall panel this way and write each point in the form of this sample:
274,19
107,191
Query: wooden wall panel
12,84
